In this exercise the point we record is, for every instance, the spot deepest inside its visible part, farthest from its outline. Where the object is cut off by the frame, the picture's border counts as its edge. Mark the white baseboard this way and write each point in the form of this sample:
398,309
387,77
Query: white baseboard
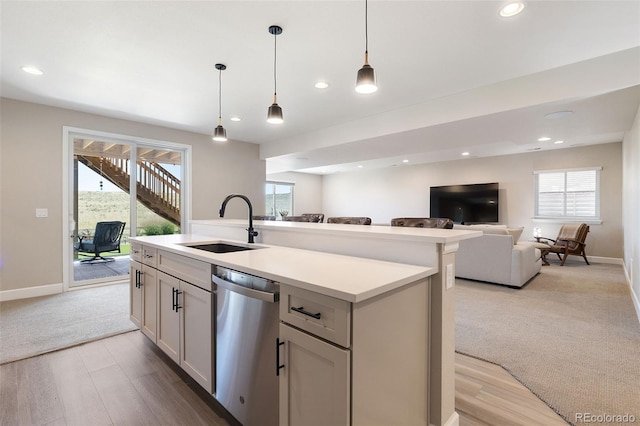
24,293
610,260
636,303
634,297
454,420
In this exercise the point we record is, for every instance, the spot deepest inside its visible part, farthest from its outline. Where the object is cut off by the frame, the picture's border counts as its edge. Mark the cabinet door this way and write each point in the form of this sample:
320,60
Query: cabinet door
315,380
135,293
197,334
168,330
149,302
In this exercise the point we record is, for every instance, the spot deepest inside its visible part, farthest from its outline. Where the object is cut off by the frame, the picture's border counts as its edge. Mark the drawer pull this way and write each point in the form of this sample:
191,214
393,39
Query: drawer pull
303,312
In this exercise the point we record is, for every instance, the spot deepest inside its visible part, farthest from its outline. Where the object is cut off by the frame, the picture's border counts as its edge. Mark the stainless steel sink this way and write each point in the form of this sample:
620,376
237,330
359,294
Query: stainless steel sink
220,247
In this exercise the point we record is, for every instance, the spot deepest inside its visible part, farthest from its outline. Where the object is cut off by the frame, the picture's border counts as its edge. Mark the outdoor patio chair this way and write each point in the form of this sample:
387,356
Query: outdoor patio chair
106,238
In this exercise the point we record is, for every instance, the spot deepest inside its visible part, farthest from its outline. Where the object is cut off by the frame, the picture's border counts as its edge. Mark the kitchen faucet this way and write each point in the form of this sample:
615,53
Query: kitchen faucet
250,230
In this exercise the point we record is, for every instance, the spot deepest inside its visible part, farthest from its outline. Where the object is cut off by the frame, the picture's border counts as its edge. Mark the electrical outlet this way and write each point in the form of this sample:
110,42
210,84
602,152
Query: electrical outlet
42,212
449,276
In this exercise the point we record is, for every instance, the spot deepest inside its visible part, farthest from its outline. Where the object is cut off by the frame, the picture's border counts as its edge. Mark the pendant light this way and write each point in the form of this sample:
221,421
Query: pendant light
219,133
366,81
274,115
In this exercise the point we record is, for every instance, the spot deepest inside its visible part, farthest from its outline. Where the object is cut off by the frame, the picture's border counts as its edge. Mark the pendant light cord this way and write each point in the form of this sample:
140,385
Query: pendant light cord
366,32
366,27
275,61
220,95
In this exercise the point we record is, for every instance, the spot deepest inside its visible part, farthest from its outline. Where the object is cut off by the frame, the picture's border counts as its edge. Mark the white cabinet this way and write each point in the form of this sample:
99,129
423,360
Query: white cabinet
315,382
142,297
168,316
354,363
173,312
185,327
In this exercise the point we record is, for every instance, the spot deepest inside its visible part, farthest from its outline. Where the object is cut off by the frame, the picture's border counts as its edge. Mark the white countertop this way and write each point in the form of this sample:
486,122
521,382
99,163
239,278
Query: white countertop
428,235
348,278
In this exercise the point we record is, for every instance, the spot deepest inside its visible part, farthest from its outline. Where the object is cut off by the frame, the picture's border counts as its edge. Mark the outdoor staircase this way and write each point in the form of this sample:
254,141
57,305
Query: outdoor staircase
156,188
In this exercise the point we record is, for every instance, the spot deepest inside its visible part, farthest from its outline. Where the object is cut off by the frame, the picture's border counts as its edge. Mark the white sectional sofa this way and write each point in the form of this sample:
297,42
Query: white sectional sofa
497,257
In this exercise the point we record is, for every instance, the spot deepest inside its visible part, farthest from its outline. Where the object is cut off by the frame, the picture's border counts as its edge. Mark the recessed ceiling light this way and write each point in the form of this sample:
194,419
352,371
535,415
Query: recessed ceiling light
558,114
465,153
405,161
321,85
235,119
32,70
544,139
512,9
360,166
558,142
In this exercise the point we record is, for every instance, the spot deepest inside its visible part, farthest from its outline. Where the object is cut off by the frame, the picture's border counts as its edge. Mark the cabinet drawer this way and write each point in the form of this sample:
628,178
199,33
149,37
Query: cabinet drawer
136,252
324,316
186,269
149,256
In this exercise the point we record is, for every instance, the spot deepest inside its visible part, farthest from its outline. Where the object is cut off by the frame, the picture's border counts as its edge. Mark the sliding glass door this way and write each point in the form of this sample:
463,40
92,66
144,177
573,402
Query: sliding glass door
119,188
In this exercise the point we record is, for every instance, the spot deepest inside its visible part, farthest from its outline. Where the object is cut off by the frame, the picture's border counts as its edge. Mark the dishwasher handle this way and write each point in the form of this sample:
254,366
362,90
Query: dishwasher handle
265,296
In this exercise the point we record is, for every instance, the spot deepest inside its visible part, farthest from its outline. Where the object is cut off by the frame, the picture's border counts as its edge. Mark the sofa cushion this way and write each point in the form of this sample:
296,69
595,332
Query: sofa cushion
515,233
495,230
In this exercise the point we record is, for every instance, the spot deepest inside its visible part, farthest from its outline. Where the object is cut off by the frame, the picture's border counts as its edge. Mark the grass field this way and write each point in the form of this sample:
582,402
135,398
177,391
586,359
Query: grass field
98,206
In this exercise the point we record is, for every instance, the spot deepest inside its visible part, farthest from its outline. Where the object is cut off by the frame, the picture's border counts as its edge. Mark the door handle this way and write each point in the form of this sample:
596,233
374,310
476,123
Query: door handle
176,292
278,365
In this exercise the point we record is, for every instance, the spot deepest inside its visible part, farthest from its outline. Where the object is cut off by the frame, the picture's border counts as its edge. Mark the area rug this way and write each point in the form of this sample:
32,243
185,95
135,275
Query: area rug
570,335
30,327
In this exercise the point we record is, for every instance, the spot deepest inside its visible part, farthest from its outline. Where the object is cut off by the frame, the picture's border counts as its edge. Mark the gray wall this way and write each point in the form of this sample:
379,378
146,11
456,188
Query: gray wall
31,161
631,208
307,192
404,190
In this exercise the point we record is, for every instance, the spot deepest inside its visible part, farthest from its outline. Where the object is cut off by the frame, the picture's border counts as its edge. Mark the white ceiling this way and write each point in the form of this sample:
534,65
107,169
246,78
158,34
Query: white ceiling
453,76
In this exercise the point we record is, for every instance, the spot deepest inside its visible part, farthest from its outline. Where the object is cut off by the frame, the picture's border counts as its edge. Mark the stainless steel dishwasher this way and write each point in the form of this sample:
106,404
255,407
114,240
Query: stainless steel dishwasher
246,331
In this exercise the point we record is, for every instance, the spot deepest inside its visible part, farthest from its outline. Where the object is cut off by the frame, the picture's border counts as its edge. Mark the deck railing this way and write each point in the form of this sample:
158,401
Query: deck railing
154,178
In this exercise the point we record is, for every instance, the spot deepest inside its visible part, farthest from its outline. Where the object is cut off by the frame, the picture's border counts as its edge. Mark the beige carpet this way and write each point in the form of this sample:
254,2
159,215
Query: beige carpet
570,335
37,325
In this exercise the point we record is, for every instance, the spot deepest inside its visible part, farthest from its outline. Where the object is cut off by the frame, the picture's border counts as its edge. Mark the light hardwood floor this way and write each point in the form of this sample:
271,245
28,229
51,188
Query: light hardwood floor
487,395
126,380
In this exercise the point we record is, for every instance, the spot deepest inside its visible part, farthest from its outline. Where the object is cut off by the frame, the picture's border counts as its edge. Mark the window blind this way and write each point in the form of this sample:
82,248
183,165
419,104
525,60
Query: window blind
569,193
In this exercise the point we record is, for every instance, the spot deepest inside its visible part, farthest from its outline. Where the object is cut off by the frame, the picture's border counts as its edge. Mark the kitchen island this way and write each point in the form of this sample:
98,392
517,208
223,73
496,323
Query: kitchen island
434,248
356,333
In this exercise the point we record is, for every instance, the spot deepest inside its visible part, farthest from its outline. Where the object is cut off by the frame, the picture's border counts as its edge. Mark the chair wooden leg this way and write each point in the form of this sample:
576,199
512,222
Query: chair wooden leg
585,257
564,258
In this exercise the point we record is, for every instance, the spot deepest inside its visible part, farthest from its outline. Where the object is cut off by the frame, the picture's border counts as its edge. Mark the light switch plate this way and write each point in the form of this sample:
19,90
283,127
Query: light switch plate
40,212
449,277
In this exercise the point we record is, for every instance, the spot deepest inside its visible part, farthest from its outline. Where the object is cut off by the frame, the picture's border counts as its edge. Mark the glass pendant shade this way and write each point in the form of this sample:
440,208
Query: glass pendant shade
220,134
366,80
274,115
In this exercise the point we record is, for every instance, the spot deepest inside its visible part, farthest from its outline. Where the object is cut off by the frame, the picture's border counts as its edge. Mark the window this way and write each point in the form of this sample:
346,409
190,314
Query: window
568,194
278,198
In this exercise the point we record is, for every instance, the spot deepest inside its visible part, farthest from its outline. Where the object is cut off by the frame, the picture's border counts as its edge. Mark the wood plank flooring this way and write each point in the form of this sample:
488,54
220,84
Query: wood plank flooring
487,395
126,380
121,380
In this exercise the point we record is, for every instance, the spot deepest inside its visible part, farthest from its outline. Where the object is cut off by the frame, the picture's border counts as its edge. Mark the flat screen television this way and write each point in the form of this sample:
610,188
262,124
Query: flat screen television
466,204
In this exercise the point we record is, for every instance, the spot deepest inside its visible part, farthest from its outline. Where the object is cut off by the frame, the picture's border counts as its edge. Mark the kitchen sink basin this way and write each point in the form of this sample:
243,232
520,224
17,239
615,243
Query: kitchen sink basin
220,247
